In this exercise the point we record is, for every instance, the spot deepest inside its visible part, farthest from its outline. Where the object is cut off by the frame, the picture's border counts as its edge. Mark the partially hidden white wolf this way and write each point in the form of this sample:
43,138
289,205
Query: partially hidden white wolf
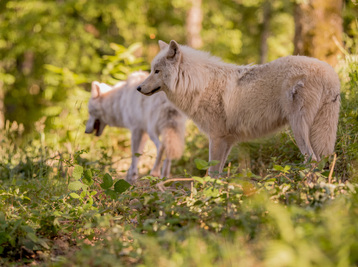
233,103
123,106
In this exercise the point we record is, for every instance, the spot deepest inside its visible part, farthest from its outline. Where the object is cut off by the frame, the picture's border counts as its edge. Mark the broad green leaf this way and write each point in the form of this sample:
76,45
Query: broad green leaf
107,181
111,193
83,194
75,186
87,177
278,168
43,243
77,172
33,237
74,195
28,229
201,164
121,185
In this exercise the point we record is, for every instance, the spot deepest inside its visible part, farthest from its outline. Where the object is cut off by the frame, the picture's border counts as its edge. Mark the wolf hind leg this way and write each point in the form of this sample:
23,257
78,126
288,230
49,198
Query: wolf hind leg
139,139
173,141
166,168
160,150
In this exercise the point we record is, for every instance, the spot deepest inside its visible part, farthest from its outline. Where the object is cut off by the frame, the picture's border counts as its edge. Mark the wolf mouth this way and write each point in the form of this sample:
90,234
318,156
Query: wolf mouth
96,126
152,92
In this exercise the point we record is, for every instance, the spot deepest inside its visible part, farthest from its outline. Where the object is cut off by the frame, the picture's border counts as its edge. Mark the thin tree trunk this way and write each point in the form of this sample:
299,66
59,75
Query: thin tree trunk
265,31
318,29
194,24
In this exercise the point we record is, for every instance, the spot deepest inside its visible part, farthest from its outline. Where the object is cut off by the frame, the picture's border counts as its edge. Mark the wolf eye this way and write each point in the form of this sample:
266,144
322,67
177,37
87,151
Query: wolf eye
156,71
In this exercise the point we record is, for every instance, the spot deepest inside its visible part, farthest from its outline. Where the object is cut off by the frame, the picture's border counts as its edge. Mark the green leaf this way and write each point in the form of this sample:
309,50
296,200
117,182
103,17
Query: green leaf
89,203
33,237
75,186
111,193
74,195
83,194
213,162
107,181
199,179
278,168
43,243
287,168
87,177
201,164
137,154
121,186
77,172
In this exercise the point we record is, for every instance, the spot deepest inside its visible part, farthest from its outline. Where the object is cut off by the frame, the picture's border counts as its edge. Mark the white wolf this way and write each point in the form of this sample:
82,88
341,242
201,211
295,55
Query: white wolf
233,103
123,106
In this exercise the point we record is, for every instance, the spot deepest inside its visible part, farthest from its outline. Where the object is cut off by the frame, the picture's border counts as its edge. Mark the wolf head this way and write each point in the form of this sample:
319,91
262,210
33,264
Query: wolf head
164,69
95,121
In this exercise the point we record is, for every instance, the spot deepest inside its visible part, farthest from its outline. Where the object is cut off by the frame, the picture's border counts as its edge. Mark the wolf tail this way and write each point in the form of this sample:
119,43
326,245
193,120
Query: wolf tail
173,141
324,129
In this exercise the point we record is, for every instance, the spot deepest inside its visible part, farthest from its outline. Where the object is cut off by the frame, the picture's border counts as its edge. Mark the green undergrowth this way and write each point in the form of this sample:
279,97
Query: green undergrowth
69,211
63,203
295,216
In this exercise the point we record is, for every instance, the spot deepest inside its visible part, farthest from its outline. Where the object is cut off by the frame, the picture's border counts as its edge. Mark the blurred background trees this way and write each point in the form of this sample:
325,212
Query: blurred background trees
318,29
51,50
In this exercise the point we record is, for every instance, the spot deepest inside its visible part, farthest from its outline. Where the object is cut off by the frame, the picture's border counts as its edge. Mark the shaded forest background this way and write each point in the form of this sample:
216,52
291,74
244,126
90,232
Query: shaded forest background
50,51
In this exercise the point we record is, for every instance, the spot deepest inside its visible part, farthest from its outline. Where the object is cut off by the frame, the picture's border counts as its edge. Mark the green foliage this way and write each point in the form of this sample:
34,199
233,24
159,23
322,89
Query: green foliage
204,165
290,216
63,201
122,63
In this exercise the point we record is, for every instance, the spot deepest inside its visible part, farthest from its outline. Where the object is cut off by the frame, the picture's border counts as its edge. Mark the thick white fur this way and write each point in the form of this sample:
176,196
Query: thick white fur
123,106
233,103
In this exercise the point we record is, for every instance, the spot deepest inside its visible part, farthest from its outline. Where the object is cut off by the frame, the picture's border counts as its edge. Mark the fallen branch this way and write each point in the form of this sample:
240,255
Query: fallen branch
162,188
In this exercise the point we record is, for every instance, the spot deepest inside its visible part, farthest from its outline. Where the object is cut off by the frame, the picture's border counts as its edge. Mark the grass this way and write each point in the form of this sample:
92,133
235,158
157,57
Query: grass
63,203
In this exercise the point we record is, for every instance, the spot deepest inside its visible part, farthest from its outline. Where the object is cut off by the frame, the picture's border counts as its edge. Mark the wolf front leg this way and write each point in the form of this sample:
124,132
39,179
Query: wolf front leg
138,141
219,149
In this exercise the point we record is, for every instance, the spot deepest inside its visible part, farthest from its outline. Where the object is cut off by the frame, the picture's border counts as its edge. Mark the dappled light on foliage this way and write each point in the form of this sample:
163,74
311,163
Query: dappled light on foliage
63,197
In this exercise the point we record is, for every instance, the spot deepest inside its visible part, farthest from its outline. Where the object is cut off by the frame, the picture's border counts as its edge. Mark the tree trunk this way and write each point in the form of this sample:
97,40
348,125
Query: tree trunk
194,24
265,31
318,29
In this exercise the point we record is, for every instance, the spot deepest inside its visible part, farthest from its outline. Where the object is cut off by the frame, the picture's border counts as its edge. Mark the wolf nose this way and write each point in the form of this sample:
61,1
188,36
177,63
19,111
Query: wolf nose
139,88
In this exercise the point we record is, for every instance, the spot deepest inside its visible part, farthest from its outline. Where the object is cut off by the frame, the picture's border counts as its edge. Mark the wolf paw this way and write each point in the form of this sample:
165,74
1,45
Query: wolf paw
155,173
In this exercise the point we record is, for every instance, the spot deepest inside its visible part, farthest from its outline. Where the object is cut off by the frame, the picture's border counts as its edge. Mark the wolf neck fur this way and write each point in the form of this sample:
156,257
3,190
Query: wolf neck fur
195,75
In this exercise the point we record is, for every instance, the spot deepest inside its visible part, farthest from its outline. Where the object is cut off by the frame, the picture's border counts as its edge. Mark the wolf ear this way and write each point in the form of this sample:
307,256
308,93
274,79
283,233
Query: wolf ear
162,44
96,89
174,50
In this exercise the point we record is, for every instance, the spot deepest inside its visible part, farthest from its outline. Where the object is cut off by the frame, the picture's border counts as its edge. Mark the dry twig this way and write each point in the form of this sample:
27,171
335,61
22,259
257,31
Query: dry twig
332,168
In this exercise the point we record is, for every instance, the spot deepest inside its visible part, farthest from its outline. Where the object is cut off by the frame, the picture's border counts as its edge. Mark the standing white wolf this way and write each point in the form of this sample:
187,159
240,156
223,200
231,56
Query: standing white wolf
123,106
233,103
